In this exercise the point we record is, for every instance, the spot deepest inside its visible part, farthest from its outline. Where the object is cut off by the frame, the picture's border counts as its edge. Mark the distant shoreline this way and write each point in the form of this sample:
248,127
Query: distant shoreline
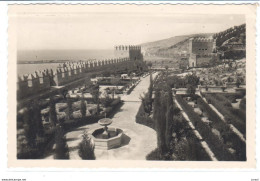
44,62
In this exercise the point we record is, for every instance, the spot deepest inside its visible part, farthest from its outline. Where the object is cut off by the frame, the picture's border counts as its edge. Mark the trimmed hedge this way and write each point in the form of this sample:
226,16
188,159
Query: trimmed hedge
215,143
228,112
227,134
143,118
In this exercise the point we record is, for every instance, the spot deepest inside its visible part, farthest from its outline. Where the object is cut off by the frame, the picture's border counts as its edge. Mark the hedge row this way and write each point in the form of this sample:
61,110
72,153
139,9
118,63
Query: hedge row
80,121
143,118
226,133
228,112
215,143
239,113
195,151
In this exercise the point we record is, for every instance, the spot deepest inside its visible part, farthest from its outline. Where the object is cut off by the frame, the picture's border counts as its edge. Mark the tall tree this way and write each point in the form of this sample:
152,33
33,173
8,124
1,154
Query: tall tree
52,112
83,106
169,118
95,95
86,148
159,117
61,148
150,93
37,118
29,127
69,111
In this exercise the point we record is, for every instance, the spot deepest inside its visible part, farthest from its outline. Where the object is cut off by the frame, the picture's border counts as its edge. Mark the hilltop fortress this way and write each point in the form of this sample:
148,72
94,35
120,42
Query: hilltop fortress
202,52
40,81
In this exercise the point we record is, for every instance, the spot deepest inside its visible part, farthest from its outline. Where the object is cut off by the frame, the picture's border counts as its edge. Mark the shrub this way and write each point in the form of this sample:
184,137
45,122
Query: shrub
191,89
69,110
242,104
24,150
155,155
115,102
143,118
83,107
225,108
61,148
106,101
52,112
29,127
86,148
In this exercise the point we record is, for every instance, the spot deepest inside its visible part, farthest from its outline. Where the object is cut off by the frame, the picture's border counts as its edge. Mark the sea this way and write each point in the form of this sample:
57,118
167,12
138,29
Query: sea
56,55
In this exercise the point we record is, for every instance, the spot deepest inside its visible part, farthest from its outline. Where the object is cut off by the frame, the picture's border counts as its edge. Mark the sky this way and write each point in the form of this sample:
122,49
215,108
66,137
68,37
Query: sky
56,29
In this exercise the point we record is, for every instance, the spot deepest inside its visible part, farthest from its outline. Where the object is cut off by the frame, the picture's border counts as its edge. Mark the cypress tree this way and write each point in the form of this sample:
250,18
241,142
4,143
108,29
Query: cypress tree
150,92
69,111
83,107
29,127
37,119
52,112
159,117
163,121
169,118
61,149
86,149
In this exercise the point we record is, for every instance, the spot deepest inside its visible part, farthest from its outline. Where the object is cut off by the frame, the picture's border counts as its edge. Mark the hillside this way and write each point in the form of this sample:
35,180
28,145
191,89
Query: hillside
170,46
236,34
231,42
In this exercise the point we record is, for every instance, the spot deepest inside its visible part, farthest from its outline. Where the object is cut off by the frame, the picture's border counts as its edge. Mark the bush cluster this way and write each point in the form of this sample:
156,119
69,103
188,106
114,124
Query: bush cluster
143,117
86,148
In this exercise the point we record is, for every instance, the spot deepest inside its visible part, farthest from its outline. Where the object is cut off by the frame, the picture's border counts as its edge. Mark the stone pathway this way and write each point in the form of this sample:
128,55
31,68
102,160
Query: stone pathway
138,140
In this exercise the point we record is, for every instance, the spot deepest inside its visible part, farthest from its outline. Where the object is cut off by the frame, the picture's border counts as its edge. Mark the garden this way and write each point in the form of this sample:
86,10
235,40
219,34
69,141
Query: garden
224,143
224,103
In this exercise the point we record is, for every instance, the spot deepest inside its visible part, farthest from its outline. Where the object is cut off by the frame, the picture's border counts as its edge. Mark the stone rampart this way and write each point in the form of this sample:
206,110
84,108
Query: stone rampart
39,81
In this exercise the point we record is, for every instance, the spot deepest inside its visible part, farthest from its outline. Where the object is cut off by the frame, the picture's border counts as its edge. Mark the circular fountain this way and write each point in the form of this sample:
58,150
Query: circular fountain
106,137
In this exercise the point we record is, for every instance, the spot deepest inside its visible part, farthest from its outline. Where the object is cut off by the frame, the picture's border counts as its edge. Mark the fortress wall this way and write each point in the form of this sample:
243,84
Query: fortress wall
201,45
133,52
34,83
68,72
121,51
201,51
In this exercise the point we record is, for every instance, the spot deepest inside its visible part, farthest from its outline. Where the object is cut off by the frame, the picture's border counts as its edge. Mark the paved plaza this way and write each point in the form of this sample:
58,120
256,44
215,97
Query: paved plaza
138,140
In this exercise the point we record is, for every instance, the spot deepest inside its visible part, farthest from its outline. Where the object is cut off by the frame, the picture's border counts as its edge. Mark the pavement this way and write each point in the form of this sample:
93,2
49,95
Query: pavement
138,140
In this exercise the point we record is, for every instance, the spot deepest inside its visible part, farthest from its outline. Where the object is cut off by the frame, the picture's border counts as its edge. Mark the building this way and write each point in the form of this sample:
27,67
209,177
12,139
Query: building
202,52
131,52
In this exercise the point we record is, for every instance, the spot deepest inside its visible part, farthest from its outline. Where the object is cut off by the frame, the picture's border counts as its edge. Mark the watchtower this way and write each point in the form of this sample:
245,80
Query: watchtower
130,51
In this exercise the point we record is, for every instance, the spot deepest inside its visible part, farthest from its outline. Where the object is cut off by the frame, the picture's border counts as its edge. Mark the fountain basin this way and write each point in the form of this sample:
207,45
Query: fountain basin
104,143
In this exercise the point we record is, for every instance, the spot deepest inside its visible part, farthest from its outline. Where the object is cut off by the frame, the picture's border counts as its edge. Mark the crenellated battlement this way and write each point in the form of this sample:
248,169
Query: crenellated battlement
202,39
65,73
131,51
127,47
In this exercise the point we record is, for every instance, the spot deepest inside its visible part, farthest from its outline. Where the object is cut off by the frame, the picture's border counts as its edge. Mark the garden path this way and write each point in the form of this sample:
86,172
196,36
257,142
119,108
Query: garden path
138,140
